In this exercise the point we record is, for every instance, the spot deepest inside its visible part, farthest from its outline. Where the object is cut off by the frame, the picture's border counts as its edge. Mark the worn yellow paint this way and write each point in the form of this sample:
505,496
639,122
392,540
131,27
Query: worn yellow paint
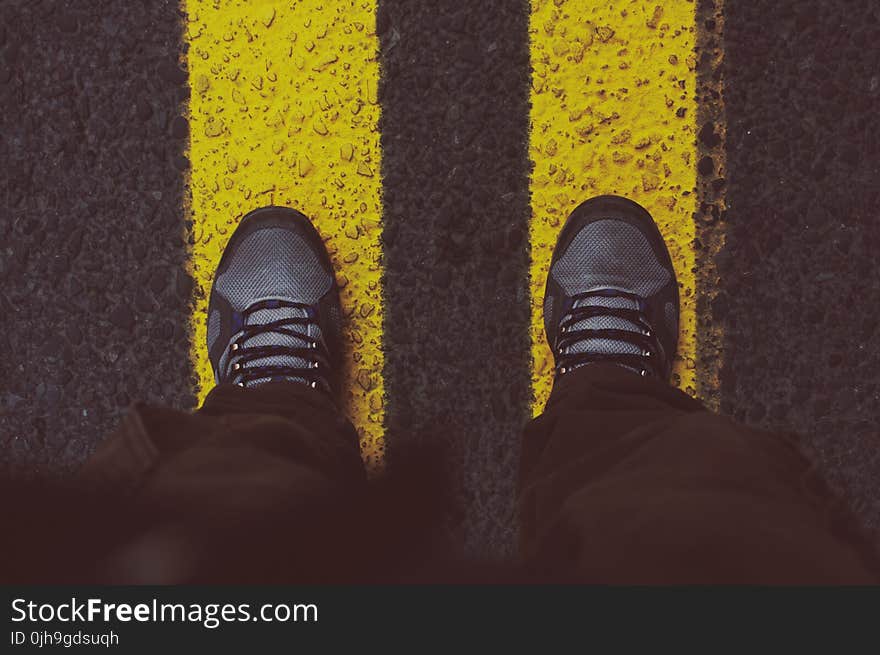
283,111
613,111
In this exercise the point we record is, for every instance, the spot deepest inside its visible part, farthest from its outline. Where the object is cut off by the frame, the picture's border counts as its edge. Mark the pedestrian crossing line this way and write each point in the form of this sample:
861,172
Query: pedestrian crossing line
284,111
613,111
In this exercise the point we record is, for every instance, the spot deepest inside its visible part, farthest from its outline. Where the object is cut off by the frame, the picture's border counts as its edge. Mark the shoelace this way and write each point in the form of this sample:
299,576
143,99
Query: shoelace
297,355
608,325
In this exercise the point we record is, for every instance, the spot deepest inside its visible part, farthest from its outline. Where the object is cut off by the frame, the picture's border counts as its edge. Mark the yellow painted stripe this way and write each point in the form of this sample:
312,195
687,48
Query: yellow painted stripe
284,111
613,111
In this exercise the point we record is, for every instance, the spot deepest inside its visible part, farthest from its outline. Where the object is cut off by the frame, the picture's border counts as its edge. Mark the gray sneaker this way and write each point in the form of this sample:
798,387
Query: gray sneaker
274,311
611,294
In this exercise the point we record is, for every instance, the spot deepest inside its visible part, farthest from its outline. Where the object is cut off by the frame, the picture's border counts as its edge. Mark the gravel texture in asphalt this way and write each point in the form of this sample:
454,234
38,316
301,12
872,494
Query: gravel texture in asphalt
454,95
800,273
94,296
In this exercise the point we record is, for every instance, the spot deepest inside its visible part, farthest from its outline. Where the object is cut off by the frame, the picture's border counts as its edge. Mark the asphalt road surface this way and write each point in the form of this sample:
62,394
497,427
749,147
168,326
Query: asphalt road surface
94,234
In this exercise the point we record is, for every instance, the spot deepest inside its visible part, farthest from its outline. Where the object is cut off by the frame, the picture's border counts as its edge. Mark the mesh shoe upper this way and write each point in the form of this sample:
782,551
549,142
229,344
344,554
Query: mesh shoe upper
274,309
611,293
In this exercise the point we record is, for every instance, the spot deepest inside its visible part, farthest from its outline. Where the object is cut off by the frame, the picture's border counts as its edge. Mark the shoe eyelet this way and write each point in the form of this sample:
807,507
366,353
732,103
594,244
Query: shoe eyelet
314,384
643,372
233,347
236,366
562,370
646,353
239,384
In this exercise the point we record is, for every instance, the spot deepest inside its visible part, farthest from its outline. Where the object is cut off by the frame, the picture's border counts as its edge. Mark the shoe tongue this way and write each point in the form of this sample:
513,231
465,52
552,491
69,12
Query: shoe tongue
268,338
604,345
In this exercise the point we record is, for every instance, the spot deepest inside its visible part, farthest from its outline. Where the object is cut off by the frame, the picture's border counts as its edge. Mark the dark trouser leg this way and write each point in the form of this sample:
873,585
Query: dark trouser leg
259,485
625,479
244,487
281,441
